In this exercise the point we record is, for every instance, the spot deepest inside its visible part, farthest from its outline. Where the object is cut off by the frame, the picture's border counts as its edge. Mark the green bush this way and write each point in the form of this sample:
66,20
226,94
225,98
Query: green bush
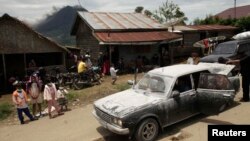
71,96
122,87
5,110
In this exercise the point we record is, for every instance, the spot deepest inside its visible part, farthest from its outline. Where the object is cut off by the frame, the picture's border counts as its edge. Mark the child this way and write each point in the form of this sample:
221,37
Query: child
19,98
62,100
50,95
113,72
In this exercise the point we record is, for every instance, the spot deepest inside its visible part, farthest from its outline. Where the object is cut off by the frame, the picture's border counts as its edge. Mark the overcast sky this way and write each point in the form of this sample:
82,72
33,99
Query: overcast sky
33,10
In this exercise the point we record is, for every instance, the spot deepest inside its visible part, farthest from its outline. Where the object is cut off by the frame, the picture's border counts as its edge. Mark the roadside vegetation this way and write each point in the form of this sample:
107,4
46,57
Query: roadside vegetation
6,109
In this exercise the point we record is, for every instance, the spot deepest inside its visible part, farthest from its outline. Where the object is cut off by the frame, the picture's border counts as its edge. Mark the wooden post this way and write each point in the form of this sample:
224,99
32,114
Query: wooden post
25,64
135,77
171,55
64,59
110,54
4,71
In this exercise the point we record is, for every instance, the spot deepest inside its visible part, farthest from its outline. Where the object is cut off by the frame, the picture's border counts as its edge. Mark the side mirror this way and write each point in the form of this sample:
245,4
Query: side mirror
175,94
130,82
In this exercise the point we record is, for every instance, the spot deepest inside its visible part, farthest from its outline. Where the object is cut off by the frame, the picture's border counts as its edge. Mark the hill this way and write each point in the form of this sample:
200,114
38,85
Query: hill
58,25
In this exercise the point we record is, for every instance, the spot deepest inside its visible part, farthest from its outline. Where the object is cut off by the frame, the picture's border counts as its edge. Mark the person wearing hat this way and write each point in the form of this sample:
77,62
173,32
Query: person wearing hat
20,99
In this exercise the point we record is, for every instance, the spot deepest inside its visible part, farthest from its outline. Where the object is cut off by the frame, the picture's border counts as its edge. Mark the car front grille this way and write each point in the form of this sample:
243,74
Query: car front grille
104,116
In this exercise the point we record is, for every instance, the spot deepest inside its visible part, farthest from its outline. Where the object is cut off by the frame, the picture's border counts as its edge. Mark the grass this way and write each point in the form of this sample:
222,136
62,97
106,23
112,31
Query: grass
6,109
123,86
71,96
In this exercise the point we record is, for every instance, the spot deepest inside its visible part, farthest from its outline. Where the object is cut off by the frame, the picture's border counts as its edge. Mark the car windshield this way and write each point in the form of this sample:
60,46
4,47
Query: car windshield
154,83
225,48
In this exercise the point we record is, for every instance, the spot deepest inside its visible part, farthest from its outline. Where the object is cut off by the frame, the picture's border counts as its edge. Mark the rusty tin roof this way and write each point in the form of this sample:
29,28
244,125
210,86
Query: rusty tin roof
119,21
132,37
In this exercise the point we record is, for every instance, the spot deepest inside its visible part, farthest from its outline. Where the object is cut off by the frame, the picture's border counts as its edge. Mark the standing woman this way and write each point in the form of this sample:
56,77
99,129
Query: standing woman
50,95
34,89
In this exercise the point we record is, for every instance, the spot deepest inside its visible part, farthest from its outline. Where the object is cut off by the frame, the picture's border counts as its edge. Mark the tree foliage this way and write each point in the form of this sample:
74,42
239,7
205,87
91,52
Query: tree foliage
148,13
242,23
139,9
168,11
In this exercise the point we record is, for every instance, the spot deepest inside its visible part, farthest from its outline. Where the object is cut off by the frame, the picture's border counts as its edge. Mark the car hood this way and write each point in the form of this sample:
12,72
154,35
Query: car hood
212,58
125,102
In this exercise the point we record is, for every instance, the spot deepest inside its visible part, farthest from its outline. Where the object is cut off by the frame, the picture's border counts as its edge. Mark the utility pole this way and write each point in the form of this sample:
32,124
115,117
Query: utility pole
234,9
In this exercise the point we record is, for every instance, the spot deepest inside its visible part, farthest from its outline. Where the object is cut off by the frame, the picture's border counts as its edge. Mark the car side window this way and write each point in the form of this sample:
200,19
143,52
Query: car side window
244,47
196,77
214,81
183,84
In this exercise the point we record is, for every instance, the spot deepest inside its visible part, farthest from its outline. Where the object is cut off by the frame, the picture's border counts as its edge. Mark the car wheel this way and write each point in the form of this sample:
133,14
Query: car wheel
147,131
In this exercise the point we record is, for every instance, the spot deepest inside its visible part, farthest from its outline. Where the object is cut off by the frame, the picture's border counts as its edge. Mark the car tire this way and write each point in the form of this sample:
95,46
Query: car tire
147,130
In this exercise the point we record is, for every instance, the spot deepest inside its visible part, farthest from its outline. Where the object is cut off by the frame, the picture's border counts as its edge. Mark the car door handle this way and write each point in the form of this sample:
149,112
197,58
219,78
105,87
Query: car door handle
226,95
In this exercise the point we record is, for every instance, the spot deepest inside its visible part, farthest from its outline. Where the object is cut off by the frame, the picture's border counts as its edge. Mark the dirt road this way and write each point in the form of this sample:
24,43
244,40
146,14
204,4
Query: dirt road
80,125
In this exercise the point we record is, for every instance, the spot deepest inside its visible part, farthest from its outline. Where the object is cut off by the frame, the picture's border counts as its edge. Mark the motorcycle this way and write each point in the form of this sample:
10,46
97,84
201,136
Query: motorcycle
88,78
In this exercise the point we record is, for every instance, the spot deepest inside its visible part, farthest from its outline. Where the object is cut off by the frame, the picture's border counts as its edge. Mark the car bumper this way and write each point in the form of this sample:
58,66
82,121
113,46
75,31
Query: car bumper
112,128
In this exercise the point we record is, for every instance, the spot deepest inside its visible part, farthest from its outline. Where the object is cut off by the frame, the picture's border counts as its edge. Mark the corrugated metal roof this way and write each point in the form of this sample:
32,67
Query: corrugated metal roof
129,37
207,27
109,21
242,11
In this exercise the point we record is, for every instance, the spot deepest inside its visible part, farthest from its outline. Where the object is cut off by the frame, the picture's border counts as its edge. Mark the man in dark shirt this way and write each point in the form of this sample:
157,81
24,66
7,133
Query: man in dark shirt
244,62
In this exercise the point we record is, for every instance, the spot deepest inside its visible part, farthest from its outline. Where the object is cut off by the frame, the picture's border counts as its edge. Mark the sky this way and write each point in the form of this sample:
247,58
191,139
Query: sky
31,11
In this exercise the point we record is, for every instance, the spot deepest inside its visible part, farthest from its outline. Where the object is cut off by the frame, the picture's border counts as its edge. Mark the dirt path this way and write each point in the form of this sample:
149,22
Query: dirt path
80,125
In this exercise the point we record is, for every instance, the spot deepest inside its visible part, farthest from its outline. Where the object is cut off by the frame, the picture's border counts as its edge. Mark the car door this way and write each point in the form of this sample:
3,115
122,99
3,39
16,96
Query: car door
215,92
181,107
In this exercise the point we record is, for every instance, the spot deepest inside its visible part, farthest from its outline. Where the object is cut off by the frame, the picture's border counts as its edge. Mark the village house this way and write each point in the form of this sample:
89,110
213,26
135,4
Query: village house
239,12
123,35
194,33
20,45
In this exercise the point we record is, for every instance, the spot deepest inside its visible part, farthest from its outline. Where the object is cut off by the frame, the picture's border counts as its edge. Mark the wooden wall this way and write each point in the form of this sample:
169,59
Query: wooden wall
86,41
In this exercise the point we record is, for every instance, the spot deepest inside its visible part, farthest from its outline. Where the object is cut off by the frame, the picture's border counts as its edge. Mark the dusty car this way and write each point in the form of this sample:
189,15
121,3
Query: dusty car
165,96
226,50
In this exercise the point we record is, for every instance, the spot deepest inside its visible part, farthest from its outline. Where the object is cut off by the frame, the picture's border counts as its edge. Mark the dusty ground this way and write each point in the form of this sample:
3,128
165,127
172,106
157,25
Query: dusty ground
80,125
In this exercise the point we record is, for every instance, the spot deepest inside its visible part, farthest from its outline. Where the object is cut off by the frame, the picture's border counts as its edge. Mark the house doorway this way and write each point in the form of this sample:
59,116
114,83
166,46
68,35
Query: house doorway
115,55
15,68
2,82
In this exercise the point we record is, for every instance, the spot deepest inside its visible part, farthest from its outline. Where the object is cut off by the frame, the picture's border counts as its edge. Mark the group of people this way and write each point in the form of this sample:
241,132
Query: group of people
37,93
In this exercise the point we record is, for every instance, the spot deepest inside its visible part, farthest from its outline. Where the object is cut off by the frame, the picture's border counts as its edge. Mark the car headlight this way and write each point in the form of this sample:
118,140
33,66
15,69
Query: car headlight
117,122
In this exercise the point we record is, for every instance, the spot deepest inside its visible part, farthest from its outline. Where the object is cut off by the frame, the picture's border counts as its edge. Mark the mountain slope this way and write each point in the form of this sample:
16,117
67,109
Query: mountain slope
58,25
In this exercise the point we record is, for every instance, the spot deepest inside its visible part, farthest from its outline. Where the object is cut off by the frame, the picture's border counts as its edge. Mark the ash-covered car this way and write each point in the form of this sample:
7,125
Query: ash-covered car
165,96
